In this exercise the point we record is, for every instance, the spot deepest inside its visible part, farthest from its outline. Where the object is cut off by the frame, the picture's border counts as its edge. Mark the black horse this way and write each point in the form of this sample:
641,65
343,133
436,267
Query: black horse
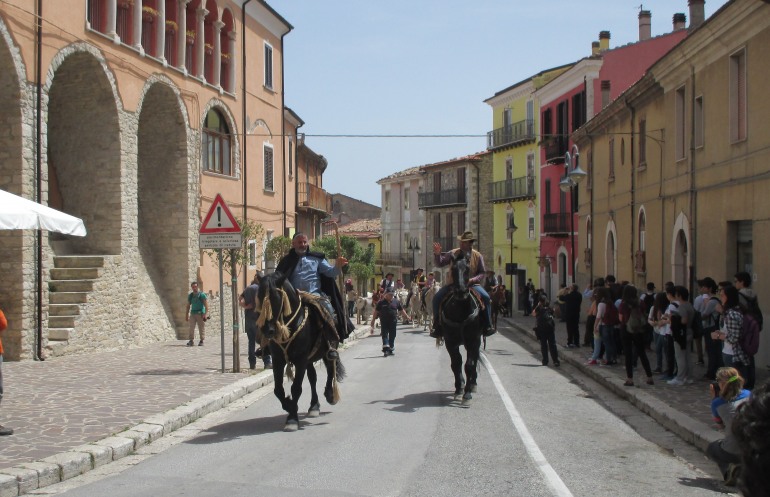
294,331
462,326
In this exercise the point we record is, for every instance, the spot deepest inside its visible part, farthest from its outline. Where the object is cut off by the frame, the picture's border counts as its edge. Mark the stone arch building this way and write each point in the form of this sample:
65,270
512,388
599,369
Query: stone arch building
108,126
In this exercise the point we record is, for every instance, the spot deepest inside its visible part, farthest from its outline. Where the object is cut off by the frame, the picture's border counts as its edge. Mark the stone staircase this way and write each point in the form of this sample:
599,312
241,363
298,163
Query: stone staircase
72,279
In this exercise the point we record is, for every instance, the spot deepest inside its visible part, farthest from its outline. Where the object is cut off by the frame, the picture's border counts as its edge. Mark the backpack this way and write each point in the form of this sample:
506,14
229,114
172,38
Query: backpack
545,321
697,325
752,308
636,321
749,339
610,317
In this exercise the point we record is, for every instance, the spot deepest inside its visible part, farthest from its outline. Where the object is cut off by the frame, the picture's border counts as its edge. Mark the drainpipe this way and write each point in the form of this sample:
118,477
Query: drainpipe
38,353
283,132
693,191
633,184
243,120
591,212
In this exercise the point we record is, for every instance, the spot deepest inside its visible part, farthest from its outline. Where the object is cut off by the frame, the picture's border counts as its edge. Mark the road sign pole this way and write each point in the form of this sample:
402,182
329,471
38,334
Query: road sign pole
221,310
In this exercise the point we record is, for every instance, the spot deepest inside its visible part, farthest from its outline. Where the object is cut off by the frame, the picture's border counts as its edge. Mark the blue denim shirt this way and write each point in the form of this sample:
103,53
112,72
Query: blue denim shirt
305,275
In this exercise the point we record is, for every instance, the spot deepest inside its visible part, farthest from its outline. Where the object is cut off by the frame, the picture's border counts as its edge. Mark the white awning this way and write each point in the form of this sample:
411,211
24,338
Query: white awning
18,213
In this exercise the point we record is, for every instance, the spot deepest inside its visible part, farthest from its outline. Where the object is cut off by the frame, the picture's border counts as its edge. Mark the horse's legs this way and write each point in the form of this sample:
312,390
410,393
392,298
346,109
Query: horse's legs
312,378
329,387
471,368
292,420
456,362
278,366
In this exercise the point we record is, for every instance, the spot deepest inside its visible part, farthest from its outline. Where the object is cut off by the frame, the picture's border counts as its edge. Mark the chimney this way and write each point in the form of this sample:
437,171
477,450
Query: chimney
697,12
680,20
604,40
594,48
645,25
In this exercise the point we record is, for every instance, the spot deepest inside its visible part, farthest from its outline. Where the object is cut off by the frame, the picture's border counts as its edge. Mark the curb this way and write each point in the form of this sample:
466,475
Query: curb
694,432
21,479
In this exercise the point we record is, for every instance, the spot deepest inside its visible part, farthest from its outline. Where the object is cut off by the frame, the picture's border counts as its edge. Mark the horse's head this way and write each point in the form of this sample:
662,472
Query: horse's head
461,273
276,300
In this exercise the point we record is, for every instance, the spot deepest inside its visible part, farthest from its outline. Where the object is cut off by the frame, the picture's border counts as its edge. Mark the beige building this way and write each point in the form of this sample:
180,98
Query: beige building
133,115
679,165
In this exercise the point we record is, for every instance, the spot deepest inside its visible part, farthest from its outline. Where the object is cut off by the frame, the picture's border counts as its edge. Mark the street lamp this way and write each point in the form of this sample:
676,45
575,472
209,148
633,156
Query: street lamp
511,230
569,183
414,246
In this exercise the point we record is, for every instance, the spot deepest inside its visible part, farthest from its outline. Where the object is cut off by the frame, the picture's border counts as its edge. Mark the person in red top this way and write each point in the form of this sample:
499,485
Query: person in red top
3,325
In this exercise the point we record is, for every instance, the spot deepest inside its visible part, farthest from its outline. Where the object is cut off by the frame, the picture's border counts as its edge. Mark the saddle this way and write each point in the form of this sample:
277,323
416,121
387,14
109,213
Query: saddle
323,319
479,302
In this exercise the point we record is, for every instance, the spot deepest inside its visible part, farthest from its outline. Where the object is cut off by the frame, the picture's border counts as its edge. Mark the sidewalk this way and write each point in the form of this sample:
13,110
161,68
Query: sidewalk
72,414
683,410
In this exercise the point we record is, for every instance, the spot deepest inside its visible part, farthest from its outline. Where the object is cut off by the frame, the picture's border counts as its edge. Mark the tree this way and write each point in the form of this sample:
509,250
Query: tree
250,230
360,261
277,248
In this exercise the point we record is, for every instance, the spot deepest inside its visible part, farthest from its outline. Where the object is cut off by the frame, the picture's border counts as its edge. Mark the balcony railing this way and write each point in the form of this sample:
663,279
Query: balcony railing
512,189
557,223
511,135
555,147
442,198
395,259
309,196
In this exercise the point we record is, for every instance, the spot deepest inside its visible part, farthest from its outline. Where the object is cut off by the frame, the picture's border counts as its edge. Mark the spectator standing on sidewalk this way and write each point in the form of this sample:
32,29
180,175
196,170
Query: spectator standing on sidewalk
706,304
632,323
751,428
3,325
606,321
545,331
196,314
351,296
670,345
648,300
730,330
749,300
572,300
660,330
681,320
600,295
727,393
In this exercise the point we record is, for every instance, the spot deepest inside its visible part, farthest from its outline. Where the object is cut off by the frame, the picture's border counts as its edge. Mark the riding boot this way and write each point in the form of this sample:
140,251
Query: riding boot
436,332
332,353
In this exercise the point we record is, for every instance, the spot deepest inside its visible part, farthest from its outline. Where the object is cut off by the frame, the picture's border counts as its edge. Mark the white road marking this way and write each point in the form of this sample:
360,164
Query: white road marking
552,479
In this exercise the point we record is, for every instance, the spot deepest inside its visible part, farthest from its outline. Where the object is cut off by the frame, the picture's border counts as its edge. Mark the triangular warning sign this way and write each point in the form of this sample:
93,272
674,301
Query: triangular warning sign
219,219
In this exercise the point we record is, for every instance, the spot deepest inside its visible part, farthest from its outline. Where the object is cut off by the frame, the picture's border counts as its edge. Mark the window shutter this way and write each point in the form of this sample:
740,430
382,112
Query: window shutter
268,168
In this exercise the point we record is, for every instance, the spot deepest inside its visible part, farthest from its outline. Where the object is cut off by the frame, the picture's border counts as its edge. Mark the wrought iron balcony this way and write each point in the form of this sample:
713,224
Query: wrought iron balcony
395,259
557,224
512,189
514,134
310,196
441,198
555,147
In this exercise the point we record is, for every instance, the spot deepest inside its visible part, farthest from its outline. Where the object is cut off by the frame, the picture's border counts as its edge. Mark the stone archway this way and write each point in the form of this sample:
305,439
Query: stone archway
84,150
163,193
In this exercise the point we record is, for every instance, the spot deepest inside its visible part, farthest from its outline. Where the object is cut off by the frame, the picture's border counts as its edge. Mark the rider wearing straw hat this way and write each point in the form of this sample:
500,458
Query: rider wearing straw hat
477,275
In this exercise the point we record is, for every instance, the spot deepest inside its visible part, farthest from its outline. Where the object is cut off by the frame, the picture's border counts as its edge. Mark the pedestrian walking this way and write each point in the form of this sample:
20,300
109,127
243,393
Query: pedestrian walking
387,310
196,314
4,431
248,301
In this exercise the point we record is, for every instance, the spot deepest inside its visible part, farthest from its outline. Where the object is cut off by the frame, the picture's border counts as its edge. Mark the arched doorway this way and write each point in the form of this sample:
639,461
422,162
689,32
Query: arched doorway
610,251
680,271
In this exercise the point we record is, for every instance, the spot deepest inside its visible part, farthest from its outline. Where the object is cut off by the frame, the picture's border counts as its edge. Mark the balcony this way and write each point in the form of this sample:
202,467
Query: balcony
555,148
512,189
511,135
557,224
395,259
443,198
310,196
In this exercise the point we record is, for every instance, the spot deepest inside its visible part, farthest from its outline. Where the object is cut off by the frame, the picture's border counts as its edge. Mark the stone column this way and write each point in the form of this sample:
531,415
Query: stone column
112,20
160,31
216,73
231,66
137,26
181,35
200,41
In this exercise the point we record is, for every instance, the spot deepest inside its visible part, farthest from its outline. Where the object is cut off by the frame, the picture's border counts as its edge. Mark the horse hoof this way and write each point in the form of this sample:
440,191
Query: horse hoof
291,425
466,400
329,396
314,411
474,388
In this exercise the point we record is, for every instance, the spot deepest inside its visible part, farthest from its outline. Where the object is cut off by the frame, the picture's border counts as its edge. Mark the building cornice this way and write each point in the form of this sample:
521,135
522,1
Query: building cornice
514,94
586,69
266,16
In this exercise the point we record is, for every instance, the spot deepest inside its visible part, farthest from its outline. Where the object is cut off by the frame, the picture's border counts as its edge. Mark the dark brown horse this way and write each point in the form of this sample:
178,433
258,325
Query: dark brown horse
296,339
497,298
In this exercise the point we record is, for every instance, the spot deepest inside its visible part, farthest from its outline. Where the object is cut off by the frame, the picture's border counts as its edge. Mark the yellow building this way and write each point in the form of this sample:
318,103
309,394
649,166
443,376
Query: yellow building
515,179
679,165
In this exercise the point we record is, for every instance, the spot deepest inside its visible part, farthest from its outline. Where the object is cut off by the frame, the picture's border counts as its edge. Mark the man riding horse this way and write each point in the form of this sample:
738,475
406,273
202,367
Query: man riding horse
477,274
420,279
311,273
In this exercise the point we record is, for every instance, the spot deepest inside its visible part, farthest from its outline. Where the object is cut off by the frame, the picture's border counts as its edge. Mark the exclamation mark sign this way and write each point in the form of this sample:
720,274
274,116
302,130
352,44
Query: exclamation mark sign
219,216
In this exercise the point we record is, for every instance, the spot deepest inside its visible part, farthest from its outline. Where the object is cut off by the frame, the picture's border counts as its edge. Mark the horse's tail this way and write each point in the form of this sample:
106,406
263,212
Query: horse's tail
339,368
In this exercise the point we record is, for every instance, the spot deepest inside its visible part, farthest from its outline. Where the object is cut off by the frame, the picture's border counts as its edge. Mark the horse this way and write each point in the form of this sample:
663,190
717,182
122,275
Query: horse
461,323
497,300
429,294
293,328
363,304
416,308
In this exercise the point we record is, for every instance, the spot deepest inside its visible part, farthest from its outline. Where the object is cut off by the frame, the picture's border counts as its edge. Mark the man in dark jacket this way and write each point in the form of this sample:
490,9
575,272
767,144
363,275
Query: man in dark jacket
572,301
310,272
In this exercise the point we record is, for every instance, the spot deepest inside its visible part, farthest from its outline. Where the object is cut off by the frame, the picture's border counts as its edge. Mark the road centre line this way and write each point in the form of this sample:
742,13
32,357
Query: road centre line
552,479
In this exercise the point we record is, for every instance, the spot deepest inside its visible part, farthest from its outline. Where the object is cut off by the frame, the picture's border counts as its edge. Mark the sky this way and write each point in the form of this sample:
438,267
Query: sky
425,67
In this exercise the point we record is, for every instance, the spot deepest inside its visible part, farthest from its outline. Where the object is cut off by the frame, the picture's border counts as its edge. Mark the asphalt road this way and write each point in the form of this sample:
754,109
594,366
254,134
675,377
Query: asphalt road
530,431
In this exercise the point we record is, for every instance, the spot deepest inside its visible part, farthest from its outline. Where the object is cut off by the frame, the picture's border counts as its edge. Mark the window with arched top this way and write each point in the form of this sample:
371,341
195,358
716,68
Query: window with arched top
640,257
217,141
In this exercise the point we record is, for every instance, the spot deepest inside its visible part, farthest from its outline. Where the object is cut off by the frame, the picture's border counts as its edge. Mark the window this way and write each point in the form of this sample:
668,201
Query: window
531,223
268,154
642,230
461,222
406,199
547,125
386,203
461,184
268,66
738,96
548,196
642,142
216,153
622,151
509,168
449,224
252,254
611,162
698,117
291,157
530,118
437,226
407,239
578,110
679,123
508,221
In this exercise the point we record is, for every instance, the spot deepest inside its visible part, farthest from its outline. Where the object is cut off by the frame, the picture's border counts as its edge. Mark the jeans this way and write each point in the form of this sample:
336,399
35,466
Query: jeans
388,334
660,344
683,360
351,308
670,359
713,355
728,361
548,342
608,338
597,347
716,453
631,341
